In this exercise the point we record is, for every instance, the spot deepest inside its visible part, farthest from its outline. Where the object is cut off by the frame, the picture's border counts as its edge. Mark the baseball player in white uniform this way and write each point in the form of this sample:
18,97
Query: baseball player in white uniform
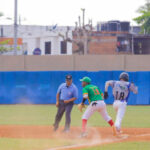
121,91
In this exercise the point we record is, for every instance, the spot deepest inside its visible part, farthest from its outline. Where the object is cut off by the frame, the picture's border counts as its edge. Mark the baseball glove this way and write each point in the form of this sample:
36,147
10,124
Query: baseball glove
80,107
106,95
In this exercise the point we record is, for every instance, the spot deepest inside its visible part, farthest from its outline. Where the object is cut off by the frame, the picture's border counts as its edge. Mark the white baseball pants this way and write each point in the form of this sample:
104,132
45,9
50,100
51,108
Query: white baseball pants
120,108
97,106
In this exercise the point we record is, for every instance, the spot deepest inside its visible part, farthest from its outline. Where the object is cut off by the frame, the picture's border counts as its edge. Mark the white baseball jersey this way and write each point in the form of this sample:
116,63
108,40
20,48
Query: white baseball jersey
121,89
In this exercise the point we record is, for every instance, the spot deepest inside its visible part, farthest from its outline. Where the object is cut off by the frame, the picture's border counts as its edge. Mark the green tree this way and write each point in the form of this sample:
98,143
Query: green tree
144,18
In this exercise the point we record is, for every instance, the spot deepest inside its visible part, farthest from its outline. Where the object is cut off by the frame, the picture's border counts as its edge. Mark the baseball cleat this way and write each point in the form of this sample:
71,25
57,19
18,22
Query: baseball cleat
55,128
83,135
119,132
66,131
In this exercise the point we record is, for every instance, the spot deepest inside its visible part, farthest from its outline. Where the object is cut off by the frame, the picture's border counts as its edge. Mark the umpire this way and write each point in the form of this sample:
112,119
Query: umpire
66,95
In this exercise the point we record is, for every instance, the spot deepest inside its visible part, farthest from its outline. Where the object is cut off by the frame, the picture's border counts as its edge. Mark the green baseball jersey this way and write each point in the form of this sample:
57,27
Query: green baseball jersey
93,92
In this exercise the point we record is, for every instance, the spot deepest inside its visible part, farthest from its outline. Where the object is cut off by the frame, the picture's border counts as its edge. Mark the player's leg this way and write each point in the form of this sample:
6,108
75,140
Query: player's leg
87,114
68,109
116,105
120,115
103,111
60,112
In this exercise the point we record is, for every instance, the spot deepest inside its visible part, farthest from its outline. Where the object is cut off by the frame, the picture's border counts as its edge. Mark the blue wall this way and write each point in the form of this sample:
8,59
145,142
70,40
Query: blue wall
40,87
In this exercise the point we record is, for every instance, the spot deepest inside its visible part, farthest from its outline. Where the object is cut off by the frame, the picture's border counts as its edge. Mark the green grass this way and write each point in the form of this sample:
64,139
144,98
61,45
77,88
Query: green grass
45,144
32,144
136,116
122,146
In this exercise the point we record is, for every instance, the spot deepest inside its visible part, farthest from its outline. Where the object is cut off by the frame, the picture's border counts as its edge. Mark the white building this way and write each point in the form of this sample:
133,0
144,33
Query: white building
44,37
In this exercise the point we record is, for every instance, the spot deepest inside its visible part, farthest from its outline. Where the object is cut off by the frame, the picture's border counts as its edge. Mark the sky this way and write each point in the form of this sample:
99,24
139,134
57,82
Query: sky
66,12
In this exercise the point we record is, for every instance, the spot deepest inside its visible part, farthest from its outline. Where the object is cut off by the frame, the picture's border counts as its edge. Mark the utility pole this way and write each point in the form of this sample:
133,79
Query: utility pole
79,22
15,26
84,32
83,10
132,44
132,41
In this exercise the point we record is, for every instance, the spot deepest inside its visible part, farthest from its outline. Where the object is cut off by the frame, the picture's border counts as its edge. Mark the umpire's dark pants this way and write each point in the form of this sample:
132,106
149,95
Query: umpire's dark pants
67,108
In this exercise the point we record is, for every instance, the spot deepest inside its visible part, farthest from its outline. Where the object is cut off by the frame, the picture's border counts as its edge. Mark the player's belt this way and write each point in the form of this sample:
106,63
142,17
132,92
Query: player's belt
121,100
62,101
94,103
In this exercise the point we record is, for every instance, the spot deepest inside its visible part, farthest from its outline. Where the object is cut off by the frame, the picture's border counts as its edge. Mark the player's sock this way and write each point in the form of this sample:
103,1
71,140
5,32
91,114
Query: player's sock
111,123
84,122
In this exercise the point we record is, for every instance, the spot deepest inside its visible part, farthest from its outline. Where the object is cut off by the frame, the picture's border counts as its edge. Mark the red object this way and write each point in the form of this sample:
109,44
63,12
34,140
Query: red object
10,41
111,123
84,123
118,44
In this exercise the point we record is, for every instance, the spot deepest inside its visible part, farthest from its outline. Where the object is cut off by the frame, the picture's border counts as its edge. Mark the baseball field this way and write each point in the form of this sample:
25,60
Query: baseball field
29,127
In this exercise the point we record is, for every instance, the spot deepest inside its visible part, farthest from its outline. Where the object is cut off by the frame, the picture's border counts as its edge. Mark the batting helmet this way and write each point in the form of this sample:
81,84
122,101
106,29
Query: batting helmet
124,76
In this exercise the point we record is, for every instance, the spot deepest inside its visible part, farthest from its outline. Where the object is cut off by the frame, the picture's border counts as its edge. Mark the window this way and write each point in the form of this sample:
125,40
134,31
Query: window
47,47
63,47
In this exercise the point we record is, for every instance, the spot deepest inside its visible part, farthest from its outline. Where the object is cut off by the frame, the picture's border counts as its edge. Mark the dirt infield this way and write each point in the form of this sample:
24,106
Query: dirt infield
96,135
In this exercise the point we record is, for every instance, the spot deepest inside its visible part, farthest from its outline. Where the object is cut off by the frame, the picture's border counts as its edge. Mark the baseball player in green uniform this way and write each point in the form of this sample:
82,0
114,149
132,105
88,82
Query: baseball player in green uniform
96,104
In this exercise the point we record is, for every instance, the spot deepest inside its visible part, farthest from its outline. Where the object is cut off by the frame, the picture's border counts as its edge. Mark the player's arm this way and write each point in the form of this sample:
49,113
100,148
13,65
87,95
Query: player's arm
57,99
133,88
81,106
85,97
58,95
107,84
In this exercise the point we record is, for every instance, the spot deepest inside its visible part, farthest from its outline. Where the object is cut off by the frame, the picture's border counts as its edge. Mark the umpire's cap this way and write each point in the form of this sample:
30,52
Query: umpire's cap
124,76
68,77
86,79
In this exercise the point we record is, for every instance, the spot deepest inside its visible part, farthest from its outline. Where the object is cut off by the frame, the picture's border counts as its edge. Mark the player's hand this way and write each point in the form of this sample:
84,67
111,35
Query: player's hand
105,95
57,104
81,106
66,101
132,83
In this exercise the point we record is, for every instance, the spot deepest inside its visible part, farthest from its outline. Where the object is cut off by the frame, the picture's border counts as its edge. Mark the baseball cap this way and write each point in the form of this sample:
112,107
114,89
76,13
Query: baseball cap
68,77
86,79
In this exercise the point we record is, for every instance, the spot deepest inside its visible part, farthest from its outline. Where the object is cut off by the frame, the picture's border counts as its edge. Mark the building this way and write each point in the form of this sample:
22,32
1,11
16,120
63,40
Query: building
141,44
112,37
45,38
98,43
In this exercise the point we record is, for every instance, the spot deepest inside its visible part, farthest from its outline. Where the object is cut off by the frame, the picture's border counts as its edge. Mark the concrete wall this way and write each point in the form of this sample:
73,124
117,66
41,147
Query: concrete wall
137,62
99,62
75,62
12,63
46,63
